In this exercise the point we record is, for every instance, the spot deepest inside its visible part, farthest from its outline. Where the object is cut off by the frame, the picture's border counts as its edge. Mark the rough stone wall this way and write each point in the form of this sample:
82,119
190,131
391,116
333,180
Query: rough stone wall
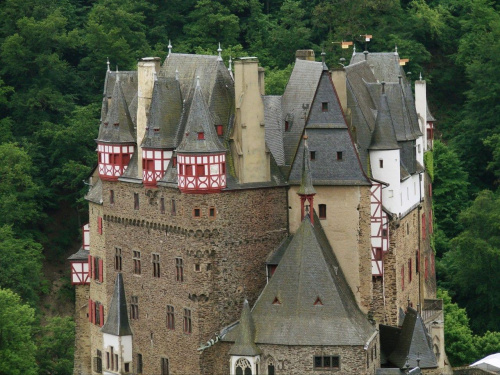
223,263
82,343
430,288
347,226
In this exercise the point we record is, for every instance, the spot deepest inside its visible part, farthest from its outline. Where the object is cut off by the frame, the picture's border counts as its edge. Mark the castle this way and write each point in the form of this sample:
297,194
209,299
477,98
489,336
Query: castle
233,232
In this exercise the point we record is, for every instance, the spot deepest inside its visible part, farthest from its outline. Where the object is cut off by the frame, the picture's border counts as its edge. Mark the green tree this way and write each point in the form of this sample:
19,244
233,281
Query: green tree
474,260
17,349
20,265
55,346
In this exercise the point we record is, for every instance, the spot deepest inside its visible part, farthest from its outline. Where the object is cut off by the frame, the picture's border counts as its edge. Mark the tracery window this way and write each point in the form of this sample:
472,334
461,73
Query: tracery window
243,367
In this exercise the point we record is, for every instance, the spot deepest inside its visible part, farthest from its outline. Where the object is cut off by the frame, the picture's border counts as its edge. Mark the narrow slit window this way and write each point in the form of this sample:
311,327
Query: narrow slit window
312,155
324,106
322,211
381,163
340,155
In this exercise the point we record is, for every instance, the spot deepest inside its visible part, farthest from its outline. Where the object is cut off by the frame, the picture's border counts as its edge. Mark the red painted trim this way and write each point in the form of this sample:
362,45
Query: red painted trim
100,270
101,315
99,225
91,266
90,310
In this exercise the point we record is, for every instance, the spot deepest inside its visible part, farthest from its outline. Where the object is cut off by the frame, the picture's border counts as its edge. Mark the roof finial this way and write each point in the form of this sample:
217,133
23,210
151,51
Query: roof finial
117,75
396,50
109,69
383,92
230,64
169,48
354,50
420,78
323,55
197,81
176,74
219,50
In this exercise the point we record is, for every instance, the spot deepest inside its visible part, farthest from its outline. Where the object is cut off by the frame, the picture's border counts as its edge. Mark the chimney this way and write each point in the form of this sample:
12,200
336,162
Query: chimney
305,54
262,87
339,82
421,107
252,160
146,69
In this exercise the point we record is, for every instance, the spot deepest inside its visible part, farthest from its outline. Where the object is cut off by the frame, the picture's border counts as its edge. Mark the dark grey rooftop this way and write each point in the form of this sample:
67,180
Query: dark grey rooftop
81,254
244,343
117,323
274,120
95,192
385,65
297,99
308,300
164,115
384,136
132,171
430,117
306,185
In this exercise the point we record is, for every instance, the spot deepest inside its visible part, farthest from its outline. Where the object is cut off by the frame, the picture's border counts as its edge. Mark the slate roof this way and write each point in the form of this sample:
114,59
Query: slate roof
131,174
81,254
162,130
413,342
274,123
118,126
128,81
306,185
384,136
308,270
385,65
117,323
199,121
296,101
95,192
430,117
244,343
396,371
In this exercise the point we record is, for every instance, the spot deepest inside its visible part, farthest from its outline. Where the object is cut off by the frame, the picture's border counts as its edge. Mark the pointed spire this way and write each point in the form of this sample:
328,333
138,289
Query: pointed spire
396,50
306,184
197,81
420,78
354,50
169,48
219,50
323,55
230,67
244,343
383,136
117,323
107,63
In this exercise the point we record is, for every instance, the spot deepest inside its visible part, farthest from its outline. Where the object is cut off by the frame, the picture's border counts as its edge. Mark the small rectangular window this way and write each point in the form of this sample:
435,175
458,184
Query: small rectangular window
162,205
201,135
137,262
196,212
409,270
219,129
339,155
322,211
187,321
118,259
179,269
324,106
156,265
211,212
136,201
381,163
139,363
326,362
134,307
173,208
170,317
197,267
164,367
312,155
379,255
200,170
402,277
189,169
111,197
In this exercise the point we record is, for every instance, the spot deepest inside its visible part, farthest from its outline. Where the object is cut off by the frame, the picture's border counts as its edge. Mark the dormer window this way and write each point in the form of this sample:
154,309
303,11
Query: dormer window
219,129
312,155
201,135
324,106
287,126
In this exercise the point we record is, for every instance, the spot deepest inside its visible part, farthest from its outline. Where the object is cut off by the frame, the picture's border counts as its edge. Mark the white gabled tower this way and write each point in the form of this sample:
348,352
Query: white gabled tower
117,334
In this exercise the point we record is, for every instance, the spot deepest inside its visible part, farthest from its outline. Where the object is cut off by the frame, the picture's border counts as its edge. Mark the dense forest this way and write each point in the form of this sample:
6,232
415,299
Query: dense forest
52,66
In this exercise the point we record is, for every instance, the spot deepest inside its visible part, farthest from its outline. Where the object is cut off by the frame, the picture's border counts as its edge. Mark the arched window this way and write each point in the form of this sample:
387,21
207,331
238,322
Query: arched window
270,366
243,367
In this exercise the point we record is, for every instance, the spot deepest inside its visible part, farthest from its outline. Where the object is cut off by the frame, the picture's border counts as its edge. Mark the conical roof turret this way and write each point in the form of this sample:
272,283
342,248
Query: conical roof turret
117,323
245,341
306,184
118,126
383,136
199,121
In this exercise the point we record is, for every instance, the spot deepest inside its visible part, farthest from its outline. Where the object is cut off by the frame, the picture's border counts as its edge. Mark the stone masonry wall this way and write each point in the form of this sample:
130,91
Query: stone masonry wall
222,256
82,342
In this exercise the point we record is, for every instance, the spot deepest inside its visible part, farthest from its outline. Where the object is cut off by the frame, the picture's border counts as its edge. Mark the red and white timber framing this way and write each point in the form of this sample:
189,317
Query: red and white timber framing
86,237
154,165
201,174
379,230
113,160
80,268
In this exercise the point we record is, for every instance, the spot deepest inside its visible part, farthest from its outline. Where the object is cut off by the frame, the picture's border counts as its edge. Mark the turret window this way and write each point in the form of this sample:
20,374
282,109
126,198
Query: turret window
139,363
173,209
409,270
164,367
287,126
111,197
136,201
201,135
162,205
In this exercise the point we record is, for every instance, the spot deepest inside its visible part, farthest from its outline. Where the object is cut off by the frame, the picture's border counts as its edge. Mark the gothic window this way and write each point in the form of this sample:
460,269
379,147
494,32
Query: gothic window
326,362
243,367
322,211
137,262
270,366
187,321
156,265
134,307
179,269
170,317
118,259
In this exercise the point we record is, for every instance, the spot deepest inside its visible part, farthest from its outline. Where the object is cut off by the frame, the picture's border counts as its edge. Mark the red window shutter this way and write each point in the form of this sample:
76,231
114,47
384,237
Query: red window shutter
402,277
101,315
93,313
100,270
99,225
200,170
423,226
90,310
90,266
